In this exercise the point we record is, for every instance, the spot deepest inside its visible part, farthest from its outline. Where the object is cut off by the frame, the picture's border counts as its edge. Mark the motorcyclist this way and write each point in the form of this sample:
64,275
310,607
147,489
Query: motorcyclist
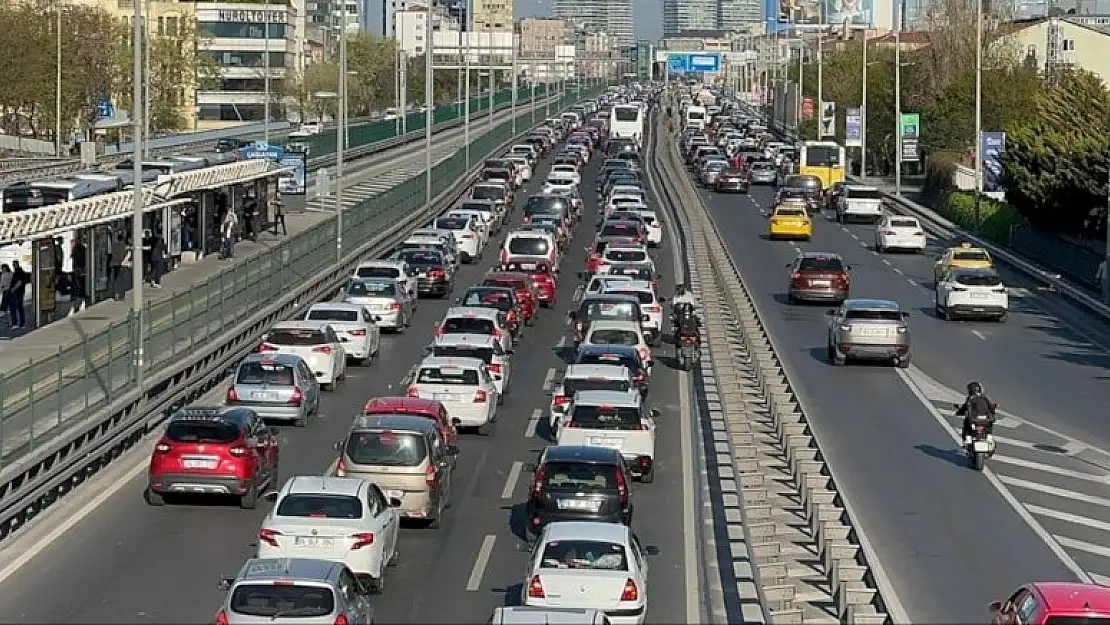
686,323
977,407
682,295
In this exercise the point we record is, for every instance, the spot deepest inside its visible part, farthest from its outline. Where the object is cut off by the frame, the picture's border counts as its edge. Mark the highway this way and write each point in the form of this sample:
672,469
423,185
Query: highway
950,539
111,558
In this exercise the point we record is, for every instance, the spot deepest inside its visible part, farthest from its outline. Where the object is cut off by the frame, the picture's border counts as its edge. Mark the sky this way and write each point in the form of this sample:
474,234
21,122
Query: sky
648,13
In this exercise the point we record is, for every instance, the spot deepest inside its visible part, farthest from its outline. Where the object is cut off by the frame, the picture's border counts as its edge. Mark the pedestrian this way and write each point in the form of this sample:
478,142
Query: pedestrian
147,248
116,259
5,288
157,260
20,279
278,207
227,233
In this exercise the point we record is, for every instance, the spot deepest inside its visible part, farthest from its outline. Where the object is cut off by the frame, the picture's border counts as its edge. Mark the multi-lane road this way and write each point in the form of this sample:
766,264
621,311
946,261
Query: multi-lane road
950,539
112,558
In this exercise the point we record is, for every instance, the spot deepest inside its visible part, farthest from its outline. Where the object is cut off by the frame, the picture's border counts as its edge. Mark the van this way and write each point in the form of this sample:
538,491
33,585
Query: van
406,456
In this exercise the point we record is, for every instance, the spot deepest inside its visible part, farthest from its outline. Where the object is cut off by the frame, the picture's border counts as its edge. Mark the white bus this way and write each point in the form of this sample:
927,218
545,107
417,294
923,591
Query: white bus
626,121
695,116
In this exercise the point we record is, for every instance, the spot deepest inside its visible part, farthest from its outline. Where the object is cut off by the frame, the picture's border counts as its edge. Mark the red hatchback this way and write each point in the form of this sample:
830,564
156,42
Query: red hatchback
521,283
214,450
543,279
818,277
417,407
1054,603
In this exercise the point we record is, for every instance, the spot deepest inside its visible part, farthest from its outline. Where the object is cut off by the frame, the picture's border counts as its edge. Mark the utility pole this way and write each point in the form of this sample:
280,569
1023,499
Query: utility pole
978,109
492,78
266,76
1106,259
146,79
512,96
58,85
404,93
137,195
863,115
820,104
429,104
898,97
466,95
341,132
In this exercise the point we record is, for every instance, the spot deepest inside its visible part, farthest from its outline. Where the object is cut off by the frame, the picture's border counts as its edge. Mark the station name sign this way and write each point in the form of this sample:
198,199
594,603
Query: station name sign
251,17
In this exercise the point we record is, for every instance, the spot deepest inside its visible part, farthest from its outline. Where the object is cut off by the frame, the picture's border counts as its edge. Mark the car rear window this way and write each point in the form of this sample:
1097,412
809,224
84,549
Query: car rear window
540,205
978,279
584,554
499,300
790,212
580,476
485,354
272,600
626,256
320,506
275,373
605,417
614,337
864,194
202,432
378,272
480,207
574,385
332,314
468,325
873,315
358,288
975,255
820,263
645,297
447,375
386,448
295,337
636,272
422,257
611,311
488,192
619,230
452,223
904,223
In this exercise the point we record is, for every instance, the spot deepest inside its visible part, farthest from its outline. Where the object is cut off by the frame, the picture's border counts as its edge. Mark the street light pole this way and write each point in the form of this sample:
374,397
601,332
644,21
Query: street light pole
863,115
492,81
404,93
341,132
898,97
512,83
137,194
429,104
58,86
266,76
978,108
146,79
821,83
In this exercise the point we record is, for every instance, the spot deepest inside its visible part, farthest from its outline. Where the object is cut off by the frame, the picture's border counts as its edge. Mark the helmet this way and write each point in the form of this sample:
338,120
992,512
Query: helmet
974,388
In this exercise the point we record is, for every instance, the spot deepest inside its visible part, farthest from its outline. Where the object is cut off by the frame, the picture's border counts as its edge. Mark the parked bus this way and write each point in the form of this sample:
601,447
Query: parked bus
626,121
823,159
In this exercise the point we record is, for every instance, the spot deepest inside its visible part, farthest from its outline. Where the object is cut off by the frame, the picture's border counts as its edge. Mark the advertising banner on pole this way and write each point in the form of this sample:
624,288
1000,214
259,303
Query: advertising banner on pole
853,128
828,120
295,182
910,123
991,146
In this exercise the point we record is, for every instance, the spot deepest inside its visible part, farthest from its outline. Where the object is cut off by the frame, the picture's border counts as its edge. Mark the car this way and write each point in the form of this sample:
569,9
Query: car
278,387
899,232
479,320
468,238
492,214
355,325
710,170
763,172
522,244
398,270
604,305
616,377
500,194
597,248
543,278
1053,603
869,329
651,306
578,483
524,615
523,164
522,285
790,221
214,450
963,256
584,564
560,171
480,219
559,182
614,419
526,150
818,277
635,230
341,519
384,298
315,590
484,347
607,332
315,342
415,406
464,386
498,298
626,253
732,180
434,274
601,282
972,293
859,203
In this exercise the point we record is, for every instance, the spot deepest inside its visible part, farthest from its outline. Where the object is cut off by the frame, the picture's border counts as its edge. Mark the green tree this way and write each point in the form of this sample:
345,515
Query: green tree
317,78
372,87
446,83
176,66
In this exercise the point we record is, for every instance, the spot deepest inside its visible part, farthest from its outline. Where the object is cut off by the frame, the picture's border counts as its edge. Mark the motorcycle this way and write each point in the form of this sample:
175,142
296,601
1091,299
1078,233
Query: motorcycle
689,352
979,445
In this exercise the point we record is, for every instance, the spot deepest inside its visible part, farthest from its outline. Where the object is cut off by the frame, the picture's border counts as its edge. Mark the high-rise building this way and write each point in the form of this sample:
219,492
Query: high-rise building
613,17
738,15
492,15
541,35
684,15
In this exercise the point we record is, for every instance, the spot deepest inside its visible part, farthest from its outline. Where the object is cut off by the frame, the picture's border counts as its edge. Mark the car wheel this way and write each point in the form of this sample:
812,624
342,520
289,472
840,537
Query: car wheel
153,498
649,477
942,313
300,422
395,558
1002,317
879,247
834,358
249,501
377,584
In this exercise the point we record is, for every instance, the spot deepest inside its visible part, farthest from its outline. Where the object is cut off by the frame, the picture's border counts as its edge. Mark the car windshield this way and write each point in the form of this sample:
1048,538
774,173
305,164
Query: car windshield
614,337
448,375
625,256
332,314
485,354
584,554
452,223
422,258
468,325
978,279
972,255
378,272
320,506
610,311
821,263
496,299
296,337
202,432
872,315
282,600
392,449
359,288
529,246
272,373
605,417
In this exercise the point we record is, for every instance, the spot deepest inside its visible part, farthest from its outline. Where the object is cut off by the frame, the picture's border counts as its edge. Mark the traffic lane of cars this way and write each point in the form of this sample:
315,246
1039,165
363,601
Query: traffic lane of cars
925,513
164,563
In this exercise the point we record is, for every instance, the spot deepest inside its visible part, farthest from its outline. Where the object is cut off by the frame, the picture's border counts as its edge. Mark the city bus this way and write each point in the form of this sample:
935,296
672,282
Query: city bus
823,159
626,121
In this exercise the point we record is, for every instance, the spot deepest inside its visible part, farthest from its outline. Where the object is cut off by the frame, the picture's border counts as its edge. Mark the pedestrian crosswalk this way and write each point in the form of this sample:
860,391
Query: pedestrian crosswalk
1062,482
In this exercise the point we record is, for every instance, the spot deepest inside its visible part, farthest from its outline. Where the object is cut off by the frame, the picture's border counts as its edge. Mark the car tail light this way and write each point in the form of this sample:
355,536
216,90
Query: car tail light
645,354
480,396
297,397
571,425
653,309
430,475
362,539
494,367
622,488
162,448
890,233
435,274
342,620
414,391
221,618
842,280
468,236
539,482
238,451
323,349
561,400
535,588
359,332
959,289
340,468
268,536
393,306
630,592
232,395
266,347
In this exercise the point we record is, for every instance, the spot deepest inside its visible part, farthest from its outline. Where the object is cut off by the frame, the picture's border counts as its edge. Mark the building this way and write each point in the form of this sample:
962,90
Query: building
1058,43
684,15
594,60
738,15
412,28
538,35
496,15
614,17
325,16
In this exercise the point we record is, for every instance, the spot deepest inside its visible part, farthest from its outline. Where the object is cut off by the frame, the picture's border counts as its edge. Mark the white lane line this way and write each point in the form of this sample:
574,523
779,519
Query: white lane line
474,583
533,421
897,270
863,244
562,340
1072,543
1068,517
1054,491
549,380
911,281
886,262
510,482
1101,580
979,335
1069,448
1048,468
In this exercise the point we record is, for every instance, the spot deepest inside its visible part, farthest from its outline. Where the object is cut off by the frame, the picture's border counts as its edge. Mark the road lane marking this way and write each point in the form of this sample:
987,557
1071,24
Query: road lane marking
979,335
1041,467
1055,491
549,380
474,583
533,421
1068,517
896,270
1072,543
510,482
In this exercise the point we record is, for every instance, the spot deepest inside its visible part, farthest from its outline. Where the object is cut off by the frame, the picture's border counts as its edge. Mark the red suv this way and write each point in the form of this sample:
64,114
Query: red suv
418,407
214,450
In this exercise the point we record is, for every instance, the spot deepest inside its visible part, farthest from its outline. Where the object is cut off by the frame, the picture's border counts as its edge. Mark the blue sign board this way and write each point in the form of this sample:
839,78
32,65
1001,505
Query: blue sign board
297,183
697,62
104,109
261,149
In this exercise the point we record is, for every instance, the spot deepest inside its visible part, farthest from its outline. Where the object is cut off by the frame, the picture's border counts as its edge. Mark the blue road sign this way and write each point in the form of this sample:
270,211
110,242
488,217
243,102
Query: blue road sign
261,149
104,108
698,62
678,62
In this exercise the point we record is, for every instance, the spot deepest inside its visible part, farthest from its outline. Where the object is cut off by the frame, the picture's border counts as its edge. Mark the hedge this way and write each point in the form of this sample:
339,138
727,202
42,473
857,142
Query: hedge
996,218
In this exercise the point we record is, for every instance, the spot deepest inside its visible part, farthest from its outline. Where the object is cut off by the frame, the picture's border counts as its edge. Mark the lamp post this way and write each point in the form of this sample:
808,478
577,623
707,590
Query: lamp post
898,97
863,114
821,83
58,86
137,194
512,82
146,78
266,76
429,104
492,78
978,108
466,94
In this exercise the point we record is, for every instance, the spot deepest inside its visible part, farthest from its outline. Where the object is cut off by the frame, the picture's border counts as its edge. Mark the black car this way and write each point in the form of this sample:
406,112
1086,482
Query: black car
499,298
579,483
432,273
626,355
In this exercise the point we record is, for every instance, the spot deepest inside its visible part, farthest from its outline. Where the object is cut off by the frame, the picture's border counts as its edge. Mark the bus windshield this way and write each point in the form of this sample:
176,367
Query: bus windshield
822,156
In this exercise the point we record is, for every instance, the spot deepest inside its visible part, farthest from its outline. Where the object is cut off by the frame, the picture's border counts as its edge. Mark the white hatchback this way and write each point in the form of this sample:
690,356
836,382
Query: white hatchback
465,232
972,293
481,346
654,226
651,305
898,232
559,184
355,326
463,385
315,342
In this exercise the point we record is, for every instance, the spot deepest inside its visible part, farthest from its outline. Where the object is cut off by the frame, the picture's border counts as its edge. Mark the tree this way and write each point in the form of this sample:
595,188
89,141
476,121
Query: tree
318,77
372,87
446,83
175,66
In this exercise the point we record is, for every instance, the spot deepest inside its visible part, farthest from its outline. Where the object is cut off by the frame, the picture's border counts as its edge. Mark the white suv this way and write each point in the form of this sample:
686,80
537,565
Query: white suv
972,293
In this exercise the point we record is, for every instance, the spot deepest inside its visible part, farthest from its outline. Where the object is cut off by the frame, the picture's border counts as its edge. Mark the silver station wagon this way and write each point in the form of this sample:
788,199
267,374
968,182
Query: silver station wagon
869,329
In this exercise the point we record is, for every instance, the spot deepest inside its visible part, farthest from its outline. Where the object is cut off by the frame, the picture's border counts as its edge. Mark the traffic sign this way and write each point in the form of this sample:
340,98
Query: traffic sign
104,108
698,62
261,149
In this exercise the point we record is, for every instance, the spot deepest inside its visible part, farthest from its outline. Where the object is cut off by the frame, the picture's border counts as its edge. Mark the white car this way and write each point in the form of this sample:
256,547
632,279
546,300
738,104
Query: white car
559,185
601,282
604,332
618,420
524,615
355,326
394,269
898,232
527,150
628,190
385,298
467,237
481,346
463,385
523,164
339,519
651,305
476,320
482,221
972,293
535,244
586,378
654,226
617,254
312,128
565,171
588,564
316,343
390,115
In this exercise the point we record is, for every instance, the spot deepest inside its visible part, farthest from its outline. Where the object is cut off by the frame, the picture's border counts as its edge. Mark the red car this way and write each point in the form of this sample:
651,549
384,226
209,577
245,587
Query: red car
418,407
214,450
521,283
543,279
1053,603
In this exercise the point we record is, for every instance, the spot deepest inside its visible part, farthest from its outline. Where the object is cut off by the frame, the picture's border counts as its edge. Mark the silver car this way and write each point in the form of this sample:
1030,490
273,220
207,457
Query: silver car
277,387
763,172
869,329
295,591
711,170
386,299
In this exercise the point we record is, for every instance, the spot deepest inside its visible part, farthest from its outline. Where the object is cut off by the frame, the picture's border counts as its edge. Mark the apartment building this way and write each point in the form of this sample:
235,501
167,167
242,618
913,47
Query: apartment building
541,35
493,15
613,17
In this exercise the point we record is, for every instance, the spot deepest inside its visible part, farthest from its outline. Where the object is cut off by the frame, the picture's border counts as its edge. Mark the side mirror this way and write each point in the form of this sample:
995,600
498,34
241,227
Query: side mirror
270,496
656,413
905,314
848,268
572,315
661,299
830,312
452,450
337,445
226,582
995,606
645,317
455,421
788,265
651,550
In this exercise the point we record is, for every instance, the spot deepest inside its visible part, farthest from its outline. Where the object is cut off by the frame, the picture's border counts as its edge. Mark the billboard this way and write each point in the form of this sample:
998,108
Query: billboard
698,62
786,14
853,128
991,146
910,124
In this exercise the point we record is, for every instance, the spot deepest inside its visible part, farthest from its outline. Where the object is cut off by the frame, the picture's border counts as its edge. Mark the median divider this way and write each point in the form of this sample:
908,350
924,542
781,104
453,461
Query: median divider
227,324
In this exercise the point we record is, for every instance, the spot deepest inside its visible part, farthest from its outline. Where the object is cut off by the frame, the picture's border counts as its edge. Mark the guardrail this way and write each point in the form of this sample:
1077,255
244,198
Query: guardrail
204,331
768,444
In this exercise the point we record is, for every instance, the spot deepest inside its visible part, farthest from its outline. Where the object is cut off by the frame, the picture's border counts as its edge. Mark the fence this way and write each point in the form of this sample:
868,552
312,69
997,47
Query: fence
39,398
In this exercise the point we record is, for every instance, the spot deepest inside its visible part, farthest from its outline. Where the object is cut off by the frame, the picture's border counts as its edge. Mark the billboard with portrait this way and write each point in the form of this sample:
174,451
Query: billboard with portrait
786,14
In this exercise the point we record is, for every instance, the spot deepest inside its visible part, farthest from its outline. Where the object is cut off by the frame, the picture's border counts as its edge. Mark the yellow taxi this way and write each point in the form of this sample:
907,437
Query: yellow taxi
964,256
790,221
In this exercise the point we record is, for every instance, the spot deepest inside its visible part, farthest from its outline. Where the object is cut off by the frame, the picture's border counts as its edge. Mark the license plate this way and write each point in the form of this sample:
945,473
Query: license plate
873,331
579,504
528,266
265,396
313,542
605,441
379,307
820,283
200,463
395,494
443,396
979,295
981,446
